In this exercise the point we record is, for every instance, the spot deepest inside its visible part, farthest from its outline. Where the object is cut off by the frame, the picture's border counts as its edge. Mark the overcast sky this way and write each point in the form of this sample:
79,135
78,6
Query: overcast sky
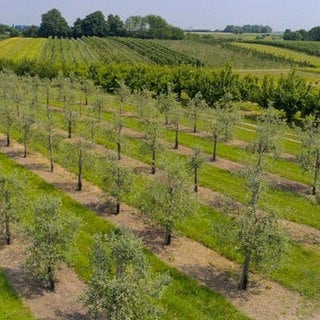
210,14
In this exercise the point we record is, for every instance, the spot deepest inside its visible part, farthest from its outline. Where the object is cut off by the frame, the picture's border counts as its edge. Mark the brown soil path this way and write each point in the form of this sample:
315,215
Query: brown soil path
265,300
45,305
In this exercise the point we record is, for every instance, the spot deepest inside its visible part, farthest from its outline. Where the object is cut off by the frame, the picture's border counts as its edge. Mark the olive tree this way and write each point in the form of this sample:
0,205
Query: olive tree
195,162
221,121
117,180
169,199
196,107
121,284
50,233
309,154
11,202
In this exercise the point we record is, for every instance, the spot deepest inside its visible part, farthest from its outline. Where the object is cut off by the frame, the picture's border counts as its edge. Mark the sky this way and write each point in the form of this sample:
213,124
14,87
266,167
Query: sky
196,14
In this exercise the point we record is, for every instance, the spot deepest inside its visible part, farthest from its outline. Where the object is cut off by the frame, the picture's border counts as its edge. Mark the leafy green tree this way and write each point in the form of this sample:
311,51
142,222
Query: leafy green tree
196,108
30,31
168,200
49,125
122,285
115,26
50,233
195,163
221,121
309,155
11,202
77,31
54,25
94,24
87,87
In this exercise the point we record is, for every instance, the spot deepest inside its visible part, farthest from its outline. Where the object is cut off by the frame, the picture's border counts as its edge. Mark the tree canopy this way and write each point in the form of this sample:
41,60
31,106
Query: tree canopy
54,25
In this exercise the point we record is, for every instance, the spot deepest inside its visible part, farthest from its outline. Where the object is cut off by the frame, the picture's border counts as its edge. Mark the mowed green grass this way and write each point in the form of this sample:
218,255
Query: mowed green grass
11,306
21,48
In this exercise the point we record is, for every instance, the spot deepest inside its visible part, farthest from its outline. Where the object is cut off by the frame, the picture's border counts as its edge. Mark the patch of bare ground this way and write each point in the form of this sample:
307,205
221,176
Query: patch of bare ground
44,304
265,300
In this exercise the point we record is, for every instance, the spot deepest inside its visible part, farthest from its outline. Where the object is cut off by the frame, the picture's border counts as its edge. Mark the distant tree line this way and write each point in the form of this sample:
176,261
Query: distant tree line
53,24
248,28
312,35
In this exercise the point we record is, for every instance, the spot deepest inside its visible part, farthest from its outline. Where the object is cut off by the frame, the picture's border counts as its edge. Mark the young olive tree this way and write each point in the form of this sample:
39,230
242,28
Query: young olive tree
152,129
258,237
221,121
195,162
117,180
122,285
169,199
49,125
309,155
26,122
196,108
165,103
270,131
11,202
50,233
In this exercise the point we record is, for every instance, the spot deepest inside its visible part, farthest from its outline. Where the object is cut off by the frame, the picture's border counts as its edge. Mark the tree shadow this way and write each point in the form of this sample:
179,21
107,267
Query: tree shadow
76,315
224,282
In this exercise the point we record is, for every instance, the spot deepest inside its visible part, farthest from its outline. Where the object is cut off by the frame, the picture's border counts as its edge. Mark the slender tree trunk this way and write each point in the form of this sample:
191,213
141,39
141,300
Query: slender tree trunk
8,139
167,237
80,167
25,145
214,153
166,120
195,124
316,173
86,100
51,279
153,161
50,146
119,150
195,179
69,129
176,144
244,279
8,231
118,207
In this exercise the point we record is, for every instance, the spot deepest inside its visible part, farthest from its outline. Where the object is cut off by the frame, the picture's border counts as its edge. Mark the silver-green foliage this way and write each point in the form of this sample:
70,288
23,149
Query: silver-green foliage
49,232
122,285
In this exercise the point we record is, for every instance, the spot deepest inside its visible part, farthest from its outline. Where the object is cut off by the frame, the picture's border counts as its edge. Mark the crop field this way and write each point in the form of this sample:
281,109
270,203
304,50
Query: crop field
297,56
104,154
21,48
297,209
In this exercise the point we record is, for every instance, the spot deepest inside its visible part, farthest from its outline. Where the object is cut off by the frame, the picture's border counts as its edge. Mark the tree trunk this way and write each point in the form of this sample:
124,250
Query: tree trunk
8,139
153,162
195,124
176,144
80,166
119,150
8,232
196,179
118,207
25,145
86,100
51,279
166,120
243,284
69,129
316,173
50,146
214,153
167,237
